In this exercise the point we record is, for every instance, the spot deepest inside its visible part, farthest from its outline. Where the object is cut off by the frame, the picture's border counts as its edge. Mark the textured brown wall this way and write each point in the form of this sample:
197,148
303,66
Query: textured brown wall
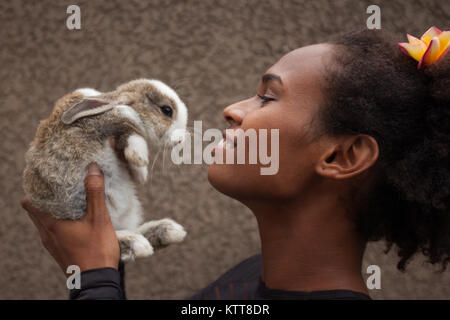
213,53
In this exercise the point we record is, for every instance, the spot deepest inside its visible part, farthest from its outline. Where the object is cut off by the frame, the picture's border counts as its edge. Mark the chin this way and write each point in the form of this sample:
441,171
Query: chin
237,181
245,184
221,178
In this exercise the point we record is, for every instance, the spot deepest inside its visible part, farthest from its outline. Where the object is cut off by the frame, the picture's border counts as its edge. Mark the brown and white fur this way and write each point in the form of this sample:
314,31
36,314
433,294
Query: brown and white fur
78,132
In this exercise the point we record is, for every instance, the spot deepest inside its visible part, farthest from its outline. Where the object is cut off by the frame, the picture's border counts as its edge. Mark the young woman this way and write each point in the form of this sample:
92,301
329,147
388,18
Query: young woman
363,156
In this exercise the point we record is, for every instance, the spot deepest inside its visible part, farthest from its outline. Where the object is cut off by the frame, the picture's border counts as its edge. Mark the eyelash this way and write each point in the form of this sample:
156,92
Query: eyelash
265,99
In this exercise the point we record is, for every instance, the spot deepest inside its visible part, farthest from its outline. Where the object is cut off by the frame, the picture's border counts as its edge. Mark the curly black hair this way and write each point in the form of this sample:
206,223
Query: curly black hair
373,88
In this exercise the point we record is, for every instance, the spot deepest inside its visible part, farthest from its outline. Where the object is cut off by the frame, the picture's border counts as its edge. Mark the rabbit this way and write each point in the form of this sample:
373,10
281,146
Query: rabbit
138,114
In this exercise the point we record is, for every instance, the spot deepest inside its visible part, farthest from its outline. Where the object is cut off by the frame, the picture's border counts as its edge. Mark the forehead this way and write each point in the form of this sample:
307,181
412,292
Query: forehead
165,91
160,93
155,89
303,67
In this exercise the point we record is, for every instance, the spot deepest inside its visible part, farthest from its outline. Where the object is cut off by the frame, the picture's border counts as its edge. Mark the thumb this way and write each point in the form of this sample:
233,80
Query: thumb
95,191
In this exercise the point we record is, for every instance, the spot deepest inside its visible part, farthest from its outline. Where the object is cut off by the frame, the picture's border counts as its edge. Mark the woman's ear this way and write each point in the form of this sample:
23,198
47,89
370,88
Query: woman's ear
349,157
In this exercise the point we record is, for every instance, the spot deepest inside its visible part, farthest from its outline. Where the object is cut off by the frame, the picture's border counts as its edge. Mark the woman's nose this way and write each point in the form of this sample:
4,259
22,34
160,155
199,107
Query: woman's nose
234,115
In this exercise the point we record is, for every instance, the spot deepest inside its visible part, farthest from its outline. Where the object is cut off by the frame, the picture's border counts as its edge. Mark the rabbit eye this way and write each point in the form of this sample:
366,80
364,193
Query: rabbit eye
167,111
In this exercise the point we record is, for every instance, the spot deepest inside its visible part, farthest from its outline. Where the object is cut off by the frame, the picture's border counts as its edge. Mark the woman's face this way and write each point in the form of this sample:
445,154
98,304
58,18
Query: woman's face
288,98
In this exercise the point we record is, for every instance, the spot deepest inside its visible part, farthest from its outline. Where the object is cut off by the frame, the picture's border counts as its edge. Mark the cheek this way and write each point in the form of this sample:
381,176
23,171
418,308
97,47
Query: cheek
245,180
296,165
157,125
298,150
241,180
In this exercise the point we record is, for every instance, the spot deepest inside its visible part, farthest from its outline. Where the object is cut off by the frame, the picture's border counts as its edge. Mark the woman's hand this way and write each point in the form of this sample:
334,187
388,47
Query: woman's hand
90,242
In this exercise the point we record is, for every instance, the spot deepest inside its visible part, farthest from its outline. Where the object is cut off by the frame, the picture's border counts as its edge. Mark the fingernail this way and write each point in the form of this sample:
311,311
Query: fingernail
94,169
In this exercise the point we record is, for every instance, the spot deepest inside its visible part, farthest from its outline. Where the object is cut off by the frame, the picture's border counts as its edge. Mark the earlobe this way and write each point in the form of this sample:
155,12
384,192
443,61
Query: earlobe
351,157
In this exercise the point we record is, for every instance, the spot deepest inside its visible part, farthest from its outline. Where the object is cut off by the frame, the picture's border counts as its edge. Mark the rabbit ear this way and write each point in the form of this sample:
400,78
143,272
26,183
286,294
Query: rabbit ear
85,108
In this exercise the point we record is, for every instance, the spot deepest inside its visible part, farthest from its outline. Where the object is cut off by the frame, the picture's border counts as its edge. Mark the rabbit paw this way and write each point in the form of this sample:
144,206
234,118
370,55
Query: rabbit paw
136,151
162,232
133,245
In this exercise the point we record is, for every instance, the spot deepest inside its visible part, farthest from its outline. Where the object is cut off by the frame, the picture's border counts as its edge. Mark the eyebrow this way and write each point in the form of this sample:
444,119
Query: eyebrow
270,76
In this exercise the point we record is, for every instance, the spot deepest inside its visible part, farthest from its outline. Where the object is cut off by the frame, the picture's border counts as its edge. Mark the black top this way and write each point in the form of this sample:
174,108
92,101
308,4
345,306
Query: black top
241,282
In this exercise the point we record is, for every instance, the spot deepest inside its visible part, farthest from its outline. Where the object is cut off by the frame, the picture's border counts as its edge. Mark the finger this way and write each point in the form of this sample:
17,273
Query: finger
95,191
41,219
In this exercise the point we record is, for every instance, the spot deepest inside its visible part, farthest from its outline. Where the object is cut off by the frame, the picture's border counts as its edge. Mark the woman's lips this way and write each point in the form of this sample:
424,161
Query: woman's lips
227,142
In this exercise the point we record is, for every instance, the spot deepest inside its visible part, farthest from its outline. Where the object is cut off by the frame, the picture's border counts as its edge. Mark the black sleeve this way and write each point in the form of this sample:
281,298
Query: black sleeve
240,282
101,284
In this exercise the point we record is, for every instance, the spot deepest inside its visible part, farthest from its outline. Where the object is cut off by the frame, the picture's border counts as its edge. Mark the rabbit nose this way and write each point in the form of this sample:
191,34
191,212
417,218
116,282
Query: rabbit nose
178,142
178,136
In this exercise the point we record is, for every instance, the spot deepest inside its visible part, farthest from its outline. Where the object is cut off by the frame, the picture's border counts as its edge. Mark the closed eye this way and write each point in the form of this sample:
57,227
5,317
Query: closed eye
265,99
